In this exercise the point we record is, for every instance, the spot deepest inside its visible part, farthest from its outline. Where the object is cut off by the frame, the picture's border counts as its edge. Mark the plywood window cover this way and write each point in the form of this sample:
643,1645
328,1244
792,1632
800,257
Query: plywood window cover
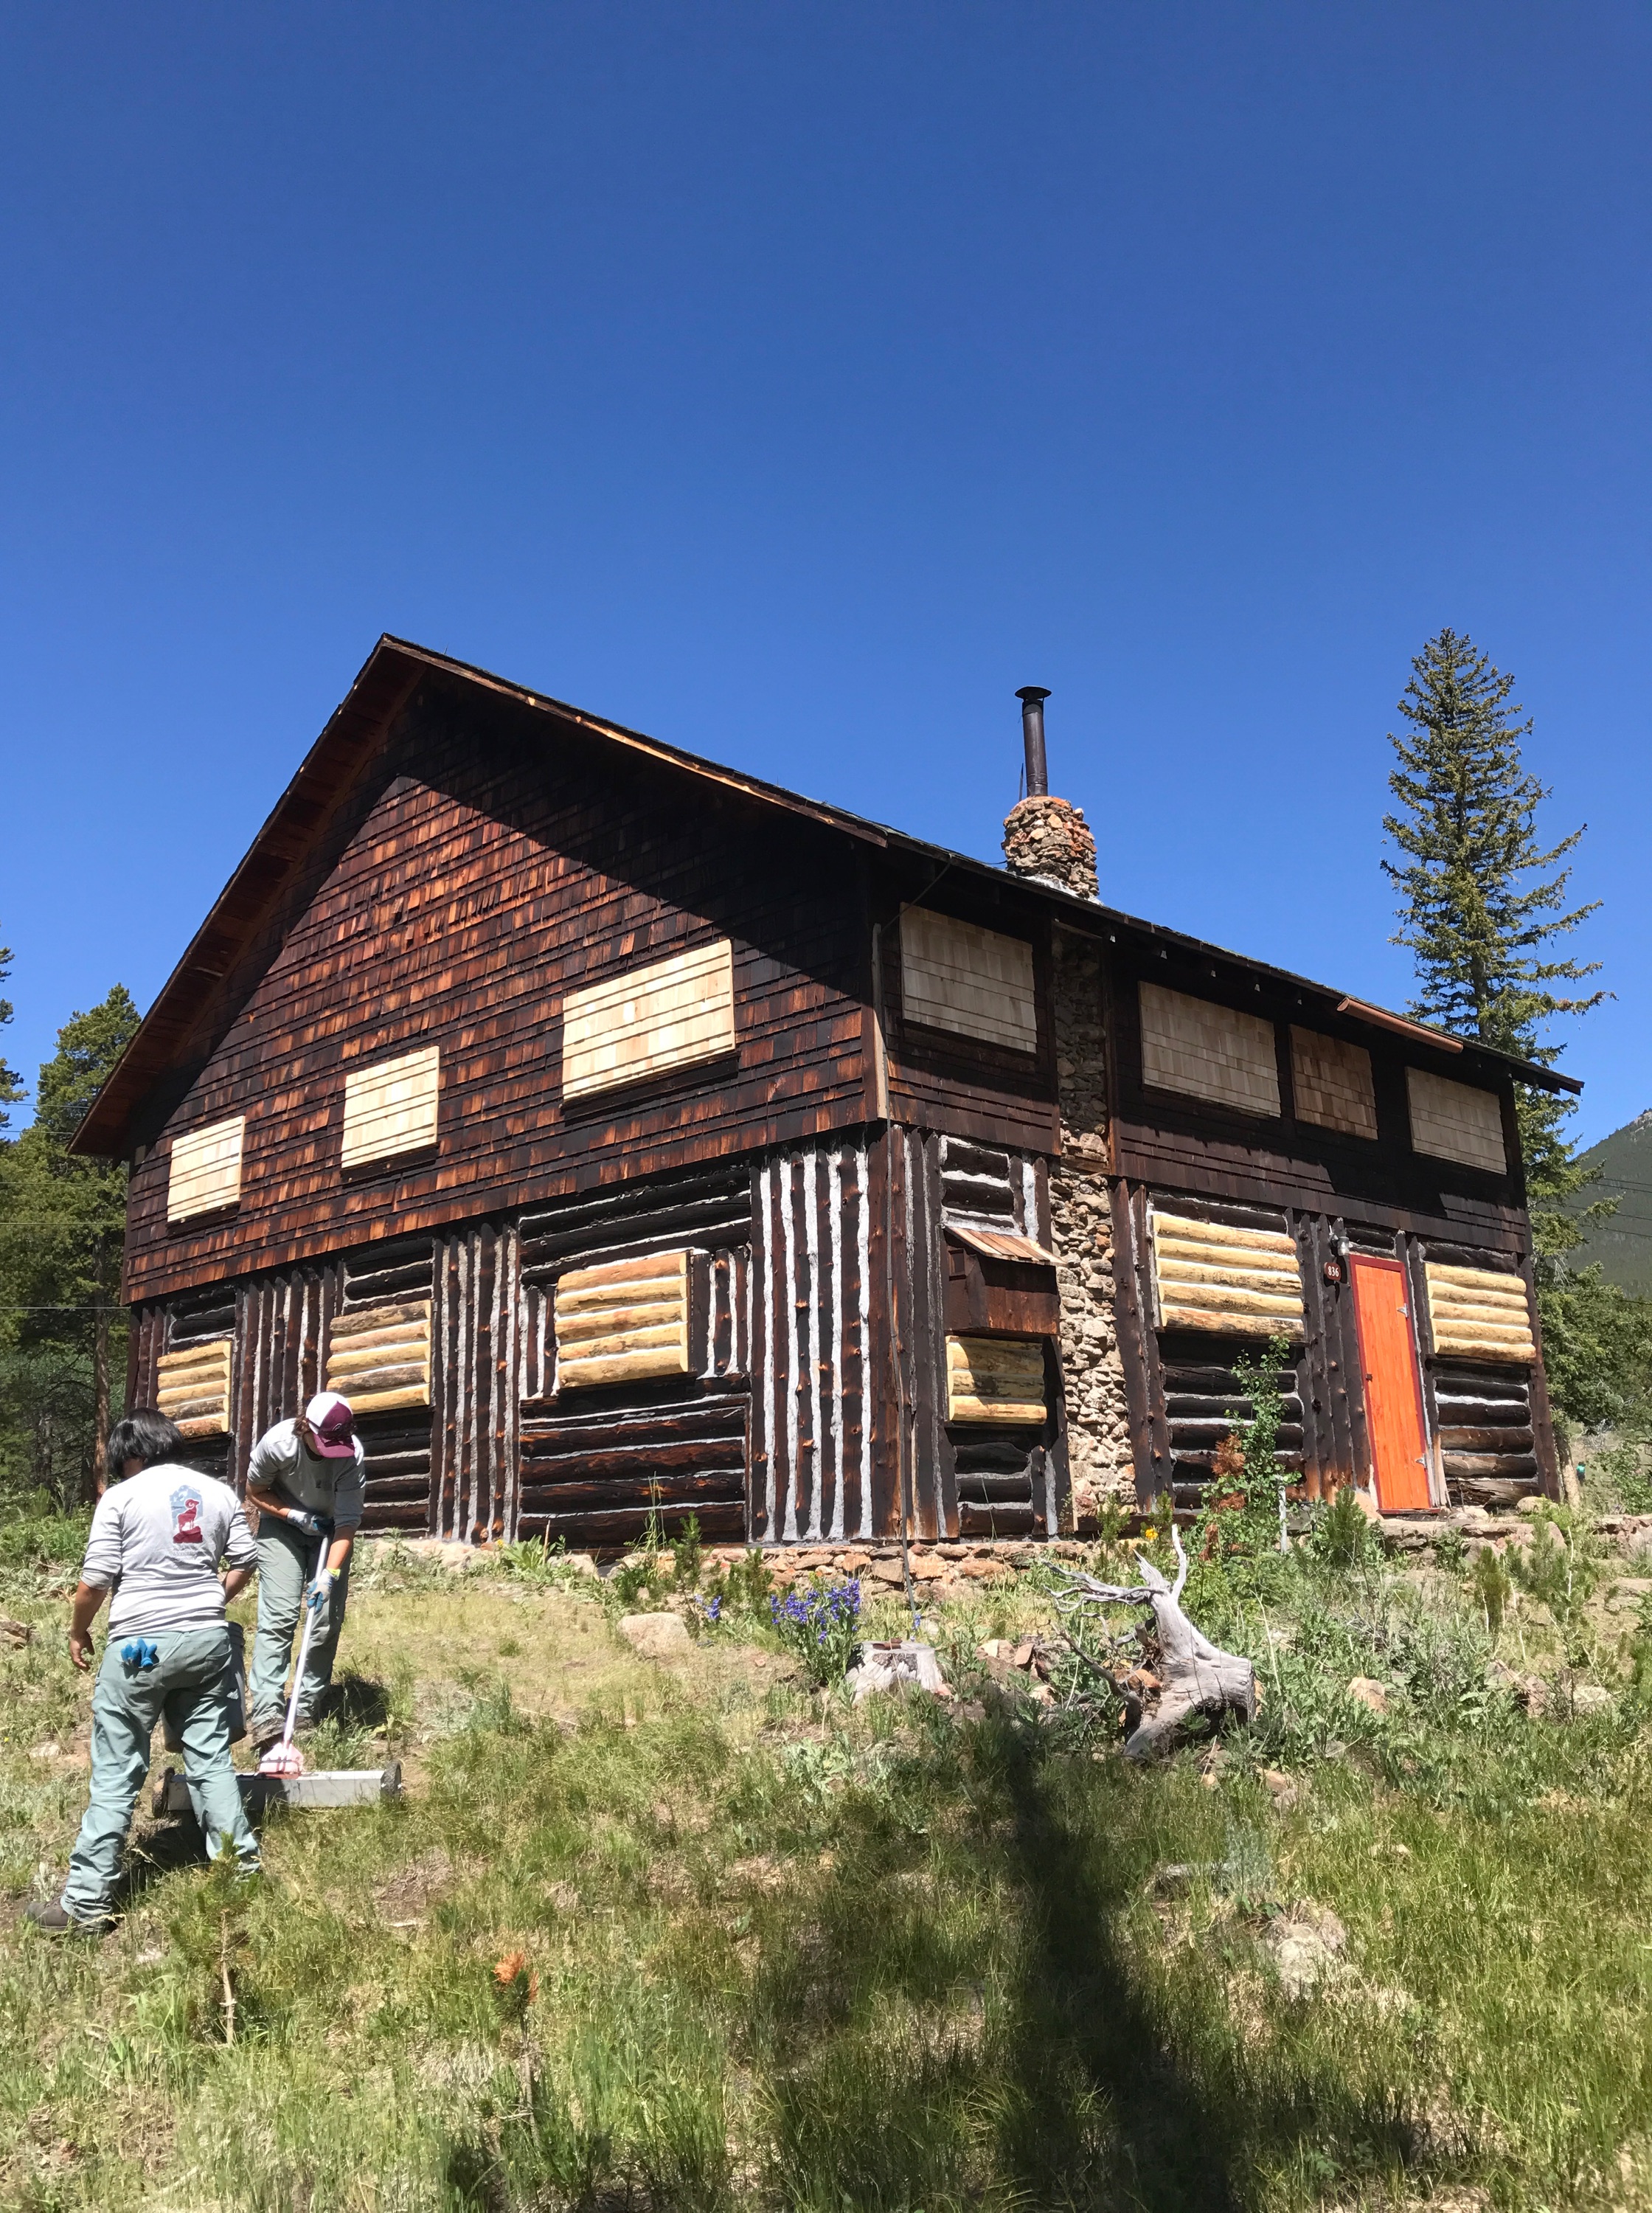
675,1013
1459,1122
204,1174
391,1107
977,982
192,1387
1236,1282
997,1379
379,1356
1331,1084
625,1321
1479,1313
1201,1050
1002,1244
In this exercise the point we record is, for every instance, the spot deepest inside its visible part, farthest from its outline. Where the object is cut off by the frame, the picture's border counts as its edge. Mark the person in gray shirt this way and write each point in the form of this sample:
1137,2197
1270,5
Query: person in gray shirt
305,1477
159,1536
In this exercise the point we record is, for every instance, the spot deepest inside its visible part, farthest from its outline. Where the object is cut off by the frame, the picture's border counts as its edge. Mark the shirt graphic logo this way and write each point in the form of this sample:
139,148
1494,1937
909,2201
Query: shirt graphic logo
186,1518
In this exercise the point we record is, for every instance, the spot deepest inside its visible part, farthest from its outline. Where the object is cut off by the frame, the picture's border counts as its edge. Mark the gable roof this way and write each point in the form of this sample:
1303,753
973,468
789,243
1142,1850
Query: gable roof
359,727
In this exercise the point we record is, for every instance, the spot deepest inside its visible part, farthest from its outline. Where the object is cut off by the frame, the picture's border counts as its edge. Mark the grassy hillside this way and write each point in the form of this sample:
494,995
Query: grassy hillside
702,1936
1622,1246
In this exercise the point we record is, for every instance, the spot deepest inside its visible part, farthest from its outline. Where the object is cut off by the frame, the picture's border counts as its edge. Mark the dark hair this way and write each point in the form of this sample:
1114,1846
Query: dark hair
144,1436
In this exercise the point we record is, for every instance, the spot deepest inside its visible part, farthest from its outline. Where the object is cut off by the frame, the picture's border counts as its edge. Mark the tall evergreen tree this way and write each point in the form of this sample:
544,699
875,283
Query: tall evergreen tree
62,1222
11,1084
1485,910
1483,901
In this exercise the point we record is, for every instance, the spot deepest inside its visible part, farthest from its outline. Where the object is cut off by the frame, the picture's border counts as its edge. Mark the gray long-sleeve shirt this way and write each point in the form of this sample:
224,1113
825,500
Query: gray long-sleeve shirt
157,1542
335,1489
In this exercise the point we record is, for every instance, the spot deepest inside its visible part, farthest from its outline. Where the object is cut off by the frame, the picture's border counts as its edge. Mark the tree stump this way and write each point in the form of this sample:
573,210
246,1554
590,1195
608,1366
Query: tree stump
1197,1681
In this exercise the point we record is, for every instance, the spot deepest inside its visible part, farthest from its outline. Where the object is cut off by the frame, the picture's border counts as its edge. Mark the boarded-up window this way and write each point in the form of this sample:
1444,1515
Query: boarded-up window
204,1173
391,1108
1479,1313
995,1379
1456,1122
379,1356
1207,1275
1207,1052
192,1388
976,982
623,1322
1332,1081
670,1014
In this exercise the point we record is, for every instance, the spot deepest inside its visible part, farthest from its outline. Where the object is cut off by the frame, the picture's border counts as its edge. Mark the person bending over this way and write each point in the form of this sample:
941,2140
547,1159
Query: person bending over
159,1536
305,1477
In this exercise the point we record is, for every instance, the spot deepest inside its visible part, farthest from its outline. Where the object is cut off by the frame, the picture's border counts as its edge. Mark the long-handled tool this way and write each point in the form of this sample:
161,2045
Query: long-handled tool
284,1758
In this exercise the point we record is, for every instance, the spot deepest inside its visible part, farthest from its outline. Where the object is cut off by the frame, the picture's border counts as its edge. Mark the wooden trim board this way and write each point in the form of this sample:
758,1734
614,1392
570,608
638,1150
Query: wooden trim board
670,1014
977,982
203,1174
391,1108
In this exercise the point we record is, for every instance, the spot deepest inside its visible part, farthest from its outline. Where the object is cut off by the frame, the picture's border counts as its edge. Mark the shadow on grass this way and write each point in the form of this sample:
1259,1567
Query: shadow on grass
354,1702
1065,2088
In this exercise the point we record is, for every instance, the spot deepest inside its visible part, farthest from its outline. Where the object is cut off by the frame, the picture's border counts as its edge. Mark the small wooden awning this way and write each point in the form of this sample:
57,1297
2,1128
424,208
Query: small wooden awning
1002,1244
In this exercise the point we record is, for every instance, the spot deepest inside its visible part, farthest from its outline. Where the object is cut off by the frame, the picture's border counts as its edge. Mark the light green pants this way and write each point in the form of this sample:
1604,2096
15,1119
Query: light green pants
286,1561
192,1682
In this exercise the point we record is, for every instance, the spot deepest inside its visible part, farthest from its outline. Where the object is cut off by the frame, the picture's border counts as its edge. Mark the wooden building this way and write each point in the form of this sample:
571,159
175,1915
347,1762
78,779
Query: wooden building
619,1131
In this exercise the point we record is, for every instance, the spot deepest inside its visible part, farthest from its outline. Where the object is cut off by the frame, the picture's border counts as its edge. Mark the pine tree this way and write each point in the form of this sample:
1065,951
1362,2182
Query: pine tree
62,1222
11,1084
1484,901
1485,908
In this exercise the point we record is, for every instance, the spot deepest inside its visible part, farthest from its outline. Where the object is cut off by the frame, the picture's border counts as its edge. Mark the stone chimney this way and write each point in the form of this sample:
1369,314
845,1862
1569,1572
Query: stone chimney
1047,839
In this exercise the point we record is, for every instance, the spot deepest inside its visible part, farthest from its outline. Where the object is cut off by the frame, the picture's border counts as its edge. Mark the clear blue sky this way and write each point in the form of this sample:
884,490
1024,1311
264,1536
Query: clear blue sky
793,382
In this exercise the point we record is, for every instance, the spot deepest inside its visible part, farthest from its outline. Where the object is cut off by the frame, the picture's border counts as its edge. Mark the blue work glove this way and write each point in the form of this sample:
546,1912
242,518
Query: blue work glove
307,1523
139,1654
319,1592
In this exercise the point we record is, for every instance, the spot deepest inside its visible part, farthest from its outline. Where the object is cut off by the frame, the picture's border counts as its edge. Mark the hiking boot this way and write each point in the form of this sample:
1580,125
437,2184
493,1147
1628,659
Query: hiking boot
266,1734
52,1921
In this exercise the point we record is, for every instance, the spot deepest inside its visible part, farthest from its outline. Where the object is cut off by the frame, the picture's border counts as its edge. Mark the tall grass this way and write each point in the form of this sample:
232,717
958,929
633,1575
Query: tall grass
780,1954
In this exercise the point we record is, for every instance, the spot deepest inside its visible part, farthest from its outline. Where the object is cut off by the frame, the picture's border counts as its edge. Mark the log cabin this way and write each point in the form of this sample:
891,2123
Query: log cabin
626,1135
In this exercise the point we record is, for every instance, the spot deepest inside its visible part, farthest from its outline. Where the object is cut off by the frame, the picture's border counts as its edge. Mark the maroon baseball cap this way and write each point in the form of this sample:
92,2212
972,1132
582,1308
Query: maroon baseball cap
332,1425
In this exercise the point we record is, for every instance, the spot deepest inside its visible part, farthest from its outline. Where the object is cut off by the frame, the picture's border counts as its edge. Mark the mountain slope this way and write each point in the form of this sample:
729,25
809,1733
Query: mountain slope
1623,1244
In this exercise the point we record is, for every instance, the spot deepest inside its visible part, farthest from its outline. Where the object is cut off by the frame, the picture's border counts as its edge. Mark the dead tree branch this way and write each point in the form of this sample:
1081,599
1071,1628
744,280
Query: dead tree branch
1195,1678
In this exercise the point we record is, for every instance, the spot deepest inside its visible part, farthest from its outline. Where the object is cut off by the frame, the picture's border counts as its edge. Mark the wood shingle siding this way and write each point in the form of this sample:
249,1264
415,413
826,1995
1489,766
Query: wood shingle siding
1214,1276
1207,1052
672,1014
1456,1122
477,871
391,1107
1331,1081
978,982
204,1172
1480,1311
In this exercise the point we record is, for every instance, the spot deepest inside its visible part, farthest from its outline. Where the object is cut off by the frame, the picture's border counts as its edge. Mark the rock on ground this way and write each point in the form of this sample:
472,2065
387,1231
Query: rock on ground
657,1636
1305,1946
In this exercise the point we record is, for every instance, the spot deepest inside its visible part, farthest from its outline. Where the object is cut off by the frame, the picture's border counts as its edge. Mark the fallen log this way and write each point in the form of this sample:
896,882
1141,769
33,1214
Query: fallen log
1196,1679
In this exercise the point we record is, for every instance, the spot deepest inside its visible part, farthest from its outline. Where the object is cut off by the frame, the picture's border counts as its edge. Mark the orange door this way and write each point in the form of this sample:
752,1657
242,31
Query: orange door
1393,1390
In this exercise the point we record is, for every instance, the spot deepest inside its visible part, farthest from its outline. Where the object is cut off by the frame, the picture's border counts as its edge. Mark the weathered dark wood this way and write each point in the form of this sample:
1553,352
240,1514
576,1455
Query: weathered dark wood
1459,1466
1492,1440
1484,1490
995,1520
1007,1297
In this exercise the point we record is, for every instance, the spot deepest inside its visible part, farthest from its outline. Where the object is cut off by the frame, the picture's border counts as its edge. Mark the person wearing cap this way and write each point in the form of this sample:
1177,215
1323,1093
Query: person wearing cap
305,1479
159,1537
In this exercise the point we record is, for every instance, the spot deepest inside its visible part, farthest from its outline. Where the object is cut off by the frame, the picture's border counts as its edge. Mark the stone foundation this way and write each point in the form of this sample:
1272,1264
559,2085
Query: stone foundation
1080,1209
